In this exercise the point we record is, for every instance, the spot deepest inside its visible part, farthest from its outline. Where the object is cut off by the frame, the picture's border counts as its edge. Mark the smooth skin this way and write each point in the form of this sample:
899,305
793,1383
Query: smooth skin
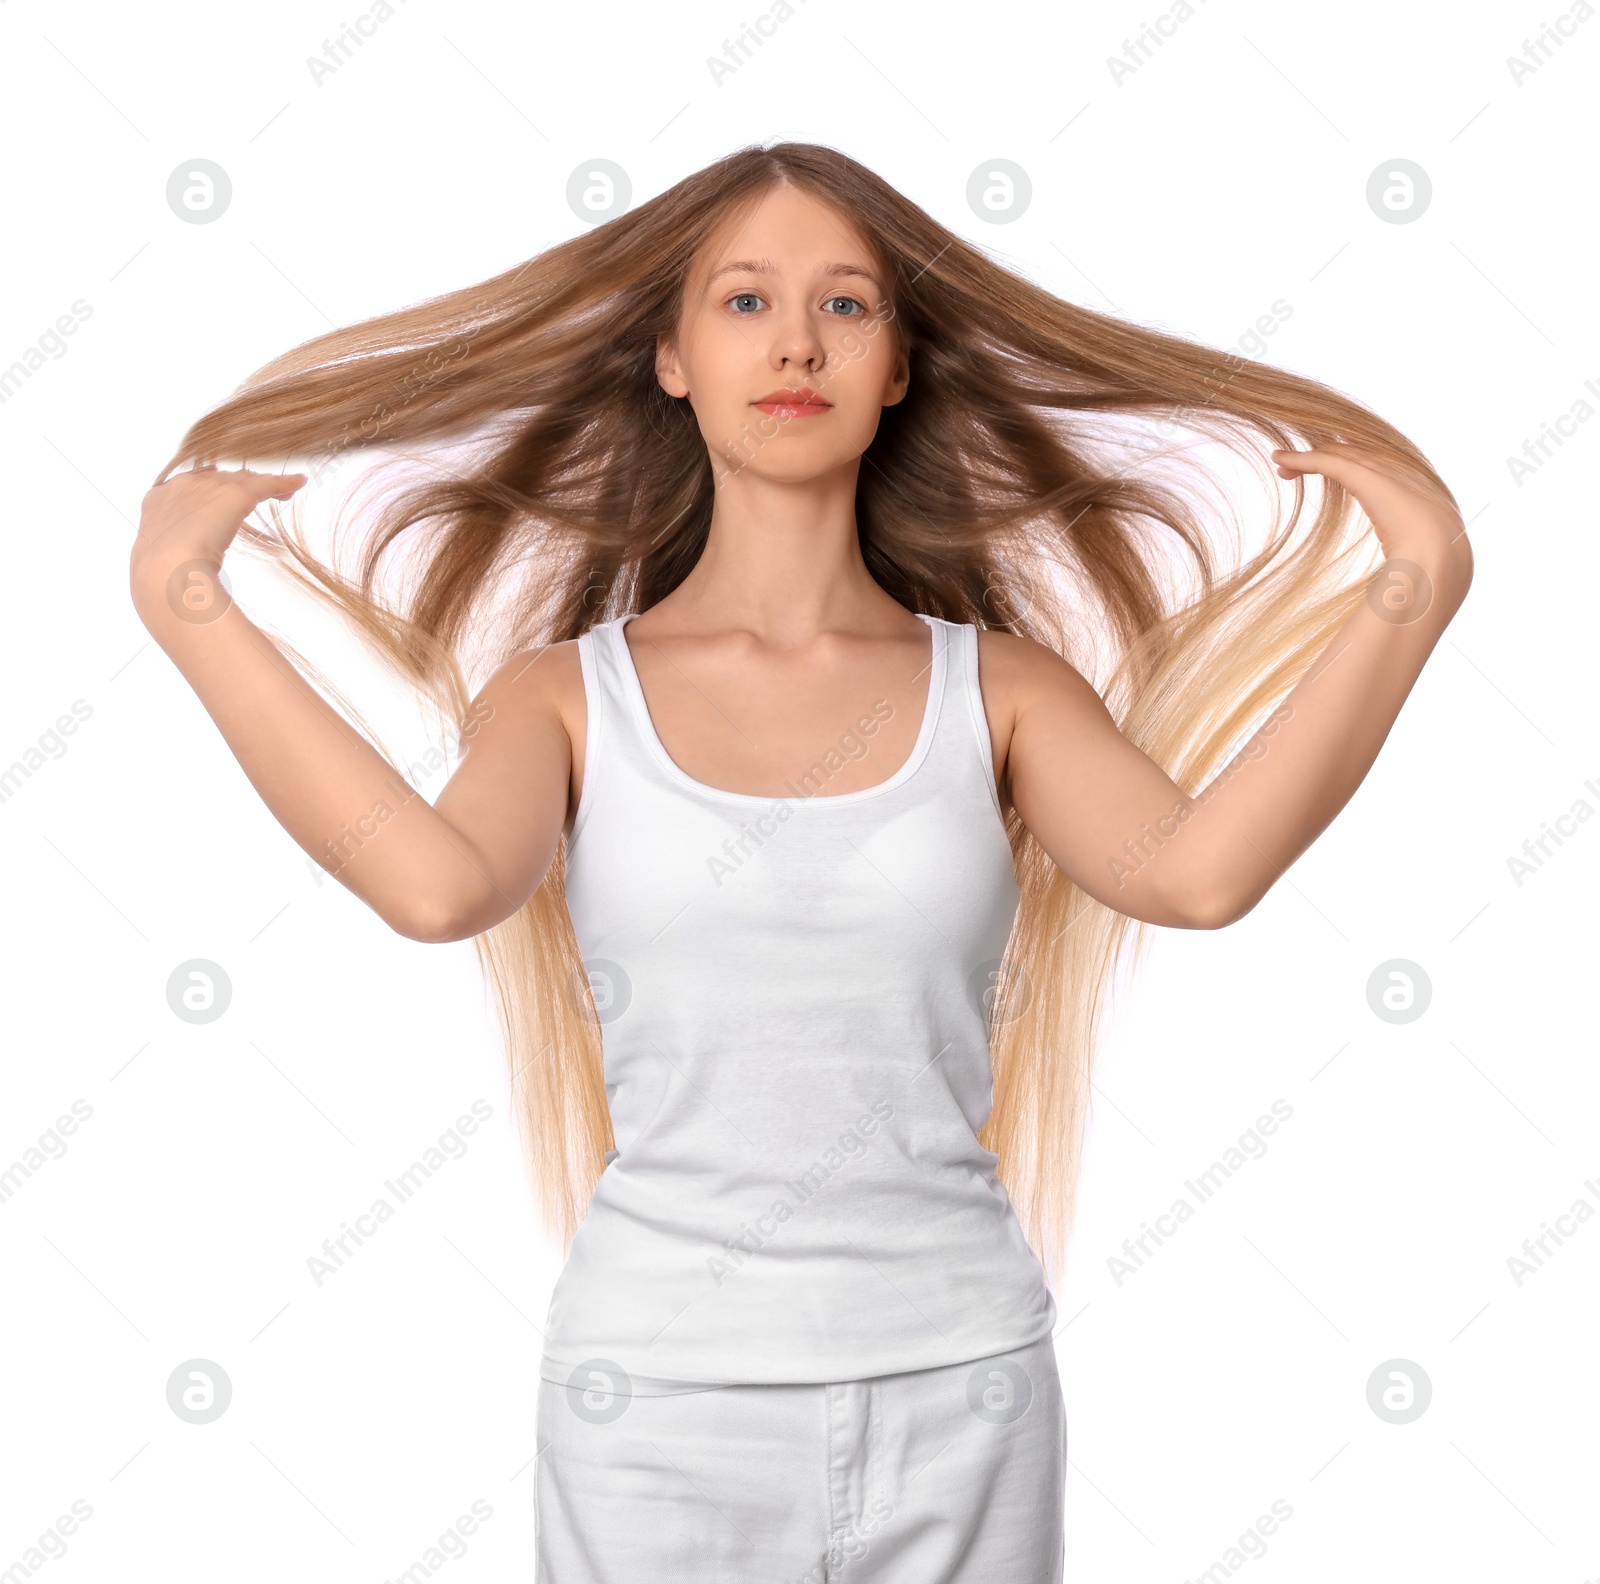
777,642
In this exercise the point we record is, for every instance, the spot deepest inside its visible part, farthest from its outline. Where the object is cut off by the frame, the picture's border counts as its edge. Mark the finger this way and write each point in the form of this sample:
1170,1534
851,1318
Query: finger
247,491
263,483
232,475
1357,471
253,473
268,478
1346,453
1317,457
1343,466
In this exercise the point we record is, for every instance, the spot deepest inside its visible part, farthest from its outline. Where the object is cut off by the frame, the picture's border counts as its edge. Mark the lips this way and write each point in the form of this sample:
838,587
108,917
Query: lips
794,402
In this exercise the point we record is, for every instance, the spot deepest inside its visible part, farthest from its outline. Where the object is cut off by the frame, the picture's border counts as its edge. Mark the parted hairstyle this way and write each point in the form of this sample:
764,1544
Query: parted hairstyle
1052,471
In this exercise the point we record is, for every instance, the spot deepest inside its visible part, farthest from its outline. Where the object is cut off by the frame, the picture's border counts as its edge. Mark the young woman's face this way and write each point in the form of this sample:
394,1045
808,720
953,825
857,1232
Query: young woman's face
790,299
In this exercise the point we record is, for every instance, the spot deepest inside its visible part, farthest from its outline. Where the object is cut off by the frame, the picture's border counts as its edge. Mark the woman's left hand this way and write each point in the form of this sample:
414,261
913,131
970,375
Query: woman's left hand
1414,518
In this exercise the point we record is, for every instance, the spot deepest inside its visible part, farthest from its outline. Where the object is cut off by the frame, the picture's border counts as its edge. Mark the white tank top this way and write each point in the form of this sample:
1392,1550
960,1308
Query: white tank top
793,997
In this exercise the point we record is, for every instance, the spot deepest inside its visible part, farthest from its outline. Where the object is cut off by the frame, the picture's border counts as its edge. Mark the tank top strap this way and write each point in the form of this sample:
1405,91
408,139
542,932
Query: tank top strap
963,721
608,733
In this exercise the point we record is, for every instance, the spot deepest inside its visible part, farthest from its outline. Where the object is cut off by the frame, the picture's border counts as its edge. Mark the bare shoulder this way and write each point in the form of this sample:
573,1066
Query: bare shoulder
1015,676
1016,671
537,698
538,682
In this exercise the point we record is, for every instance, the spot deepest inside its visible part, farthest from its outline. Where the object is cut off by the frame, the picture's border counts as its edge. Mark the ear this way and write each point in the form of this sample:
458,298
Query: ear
667,370
899,381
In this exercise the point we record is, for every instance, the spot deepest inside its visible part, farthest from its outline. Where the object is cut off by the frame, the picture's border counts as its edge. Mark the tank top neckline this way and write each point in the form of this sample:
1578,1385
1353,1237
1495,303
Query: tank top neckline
670,766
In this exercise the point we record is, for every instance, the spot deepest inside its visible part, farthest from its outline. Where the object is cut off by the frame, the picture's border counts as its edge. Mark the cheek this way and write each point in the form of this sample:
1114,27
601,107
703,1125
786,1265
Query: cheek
722,366
853,347
861,373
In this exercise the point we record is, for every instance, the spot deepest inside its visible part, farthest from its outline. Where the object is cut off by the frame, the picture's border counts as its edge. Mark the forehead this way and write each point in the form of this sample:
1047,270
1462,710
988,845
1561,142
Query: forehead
787,230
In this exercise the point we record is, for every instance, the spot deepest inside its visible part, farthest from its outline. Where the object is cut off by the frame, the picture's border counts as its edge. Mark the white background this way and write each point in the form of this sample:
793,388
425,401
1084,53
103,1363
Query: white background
1231,1371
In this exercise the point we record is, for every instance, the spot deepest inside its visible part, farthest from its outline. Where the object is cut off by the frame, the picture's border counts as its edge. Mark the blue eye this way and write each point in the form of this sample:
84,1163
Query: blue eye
742,312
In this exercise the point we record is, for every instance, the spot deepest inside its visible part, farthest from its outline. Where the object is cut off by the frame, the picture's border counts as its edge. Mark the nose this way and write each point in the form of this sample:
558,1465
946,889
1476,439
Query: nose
795,340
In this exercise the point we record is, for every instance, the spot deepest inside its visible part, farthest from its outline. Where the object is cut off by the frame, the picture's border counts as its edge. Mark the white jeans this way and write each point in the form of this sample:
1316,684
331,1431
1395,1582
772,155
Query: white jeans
951,1475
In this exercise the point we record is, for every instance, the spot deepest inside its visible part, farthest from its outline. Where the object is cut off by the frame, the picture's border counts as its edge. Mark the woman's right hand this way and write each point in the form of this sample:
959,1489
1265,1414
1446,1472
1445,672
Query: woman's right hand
193,517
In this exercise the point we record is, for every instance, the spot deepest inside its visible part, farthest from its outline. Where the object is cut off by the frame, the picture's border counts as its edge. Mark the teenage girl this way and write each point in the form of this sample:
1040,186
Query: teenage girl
800,780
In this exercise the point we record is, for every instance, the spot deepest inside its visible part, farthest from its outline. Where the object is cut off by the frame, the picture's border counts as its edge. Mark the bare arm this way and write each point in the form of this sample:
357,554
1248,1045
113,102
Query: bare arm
431,873
1128,834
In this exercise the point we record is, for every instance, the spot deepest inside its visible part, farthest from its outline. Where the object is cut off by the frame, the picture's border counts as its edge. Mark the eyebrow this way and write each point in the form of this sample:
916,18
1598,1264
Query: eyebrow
765,267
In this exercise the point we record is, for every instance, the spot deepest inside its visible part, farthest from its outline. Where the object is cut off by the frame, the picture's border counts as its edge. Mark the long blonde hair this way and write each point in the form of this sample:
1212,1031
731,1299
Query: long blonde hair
995,493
